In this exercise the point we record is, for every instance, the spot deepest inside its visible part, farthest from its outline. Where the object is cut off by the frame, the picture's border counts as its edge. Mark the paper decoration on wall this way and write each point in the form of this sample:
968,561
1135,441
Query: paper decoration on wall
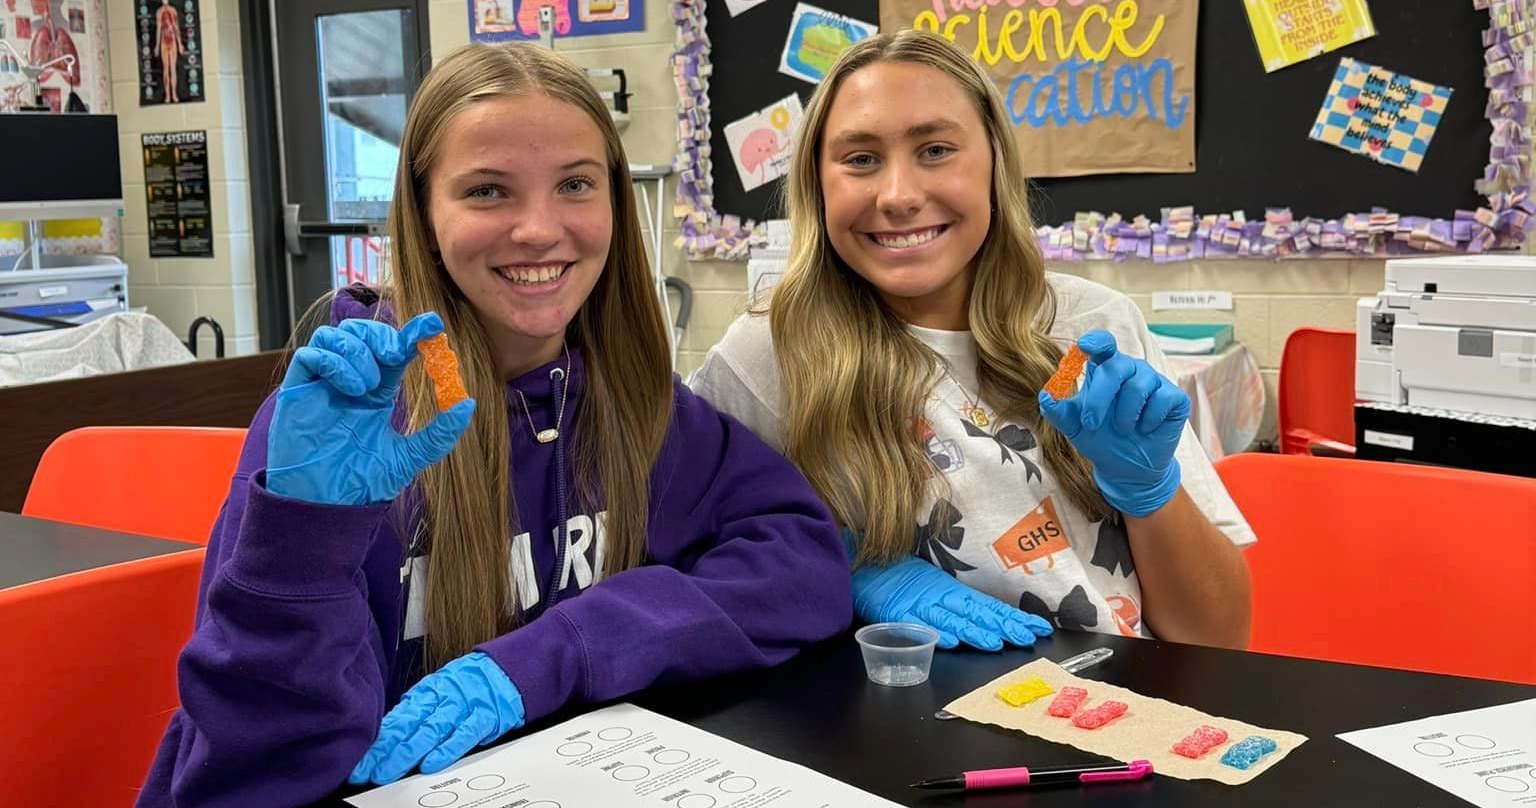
505,20
816,37
738,6
760,142
1383,115
1092,87
1290,31
171,55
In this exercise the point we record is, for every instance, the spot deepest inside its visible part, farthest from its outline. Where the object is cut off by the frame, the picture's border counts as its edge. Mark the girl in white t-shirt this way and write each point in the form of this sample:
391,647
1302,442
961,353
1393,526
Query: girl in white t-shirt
900,365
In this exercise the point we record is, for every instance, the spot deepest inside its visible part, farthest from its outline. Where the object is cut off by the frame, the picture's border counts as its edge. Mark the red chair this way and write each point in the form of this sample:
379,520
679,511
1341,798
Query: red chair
90,678
164,481
1317,392
1388,564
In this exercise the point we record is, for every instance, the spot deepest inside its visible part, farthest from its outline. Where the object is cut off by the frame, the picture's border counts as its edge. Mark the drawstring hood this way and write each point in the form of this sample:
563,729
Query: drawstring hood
562,505
540,399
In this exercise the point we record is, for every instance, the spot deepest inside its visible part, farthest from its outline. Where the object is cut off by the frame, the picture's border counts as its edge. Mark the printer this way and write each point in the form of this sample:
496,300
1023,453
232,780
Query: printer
1445,363
1454,333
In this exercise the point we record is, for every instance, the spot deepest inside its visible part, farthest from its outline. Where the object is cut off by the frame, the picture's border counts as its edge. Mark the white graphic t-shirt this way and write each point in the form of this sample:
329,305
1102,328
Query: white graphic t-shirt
995,517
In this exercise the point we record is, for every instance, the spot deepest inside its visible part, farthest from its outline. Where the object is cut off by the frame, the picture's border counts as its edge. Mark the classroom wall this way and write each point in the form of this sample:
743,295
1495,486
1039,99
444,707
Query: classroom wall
179,290
1270,299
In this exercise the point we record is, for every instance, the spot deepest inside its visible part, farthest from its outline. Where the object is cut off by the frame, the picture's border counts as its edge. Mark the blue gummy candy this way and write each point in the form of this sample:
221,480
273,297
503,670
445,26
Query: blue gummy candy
1245,753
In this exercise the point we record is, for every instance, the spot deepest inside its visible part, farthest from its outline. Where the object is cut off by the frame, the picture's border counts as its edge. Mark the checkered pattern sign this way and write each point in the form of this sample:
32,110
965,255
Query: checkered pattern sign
1383,115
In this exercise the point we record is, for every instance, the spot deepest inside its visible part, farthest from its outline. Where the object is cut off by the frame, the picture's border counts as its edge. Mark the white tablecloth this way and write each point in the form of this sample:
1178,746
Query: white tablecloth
117,342
1226,396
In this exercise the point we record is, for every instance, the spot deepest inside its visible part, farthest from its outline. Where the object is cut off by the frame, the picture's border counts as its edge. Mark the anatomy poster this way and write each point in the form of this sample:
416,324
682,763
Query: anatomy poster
1091,86
52,37
760,142
170,57
504,20
176,194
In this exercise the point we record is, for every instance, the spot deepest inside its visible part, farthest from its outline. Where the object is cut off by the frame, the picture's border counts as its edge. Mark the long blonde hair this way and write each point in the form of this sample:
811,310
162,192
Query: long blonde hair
855,380
467,512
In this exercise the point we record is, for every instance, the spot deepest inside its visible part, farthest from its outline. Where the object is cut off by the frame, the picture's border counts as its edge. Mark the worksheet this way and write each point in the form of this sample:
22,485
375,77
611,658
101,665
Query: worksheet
621,757
1486,757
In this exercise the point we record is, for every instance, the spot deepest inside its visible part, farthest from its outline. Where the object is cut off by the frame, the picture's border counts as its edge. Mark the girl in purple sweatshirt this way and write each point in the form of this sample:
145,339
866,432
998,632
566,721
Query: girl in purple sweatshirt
580,528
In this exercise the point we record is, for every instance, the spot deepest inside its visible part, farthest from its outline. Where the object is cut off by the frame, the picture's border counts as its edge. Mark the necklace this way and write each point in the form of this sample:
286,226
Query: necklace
548,435
971,409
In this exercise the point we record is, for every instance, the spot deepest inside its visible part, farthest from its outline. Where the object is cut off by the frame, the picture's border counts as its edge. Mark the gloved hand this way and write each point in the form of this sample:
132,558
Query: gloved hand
331,441
914,591
1127,420
468,702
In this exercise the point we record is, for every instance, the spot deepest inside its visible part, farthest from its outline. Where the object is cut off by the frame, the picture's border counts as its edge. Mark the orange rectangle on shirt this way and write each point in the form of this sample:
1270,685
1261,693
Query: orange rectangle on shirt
1038,535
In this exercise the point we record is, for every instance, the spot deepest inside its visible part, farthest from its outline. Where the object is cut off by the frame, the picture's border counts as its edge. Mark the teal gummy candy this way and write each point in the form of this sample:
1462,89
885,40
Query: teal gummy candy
1245,753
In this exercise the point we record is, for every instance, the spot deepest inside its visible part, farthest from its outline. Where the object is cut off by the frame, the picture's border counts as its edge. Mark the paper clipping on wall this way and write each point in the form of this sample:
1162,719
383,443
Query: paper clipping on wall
760,142
816,38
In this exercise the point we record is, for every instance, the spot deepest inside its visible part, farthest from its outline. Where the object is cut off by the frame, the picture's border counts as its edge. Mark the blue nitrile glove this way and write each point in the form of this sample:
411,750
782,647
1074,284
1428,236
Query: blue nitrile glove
914,591
1127,420
331,441
466,703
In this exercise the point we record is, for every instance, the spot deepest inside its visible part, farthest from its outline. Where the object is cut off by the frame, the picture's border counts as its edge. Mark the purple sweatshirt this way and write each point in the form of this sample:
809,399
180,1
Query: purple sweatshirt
302,644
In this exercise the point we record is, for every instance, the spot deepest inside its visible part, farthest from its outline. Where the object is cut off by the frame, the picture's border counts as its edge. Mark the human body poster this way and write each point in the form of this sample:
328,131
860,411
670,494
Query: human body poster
1092,86
506,20
170,57
176,194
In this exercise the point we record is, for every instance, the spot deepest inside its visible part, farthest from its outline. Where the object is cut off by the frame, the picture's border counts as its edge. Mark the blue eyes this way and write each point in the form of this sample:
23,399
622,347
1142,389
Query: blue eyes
866,160
571,187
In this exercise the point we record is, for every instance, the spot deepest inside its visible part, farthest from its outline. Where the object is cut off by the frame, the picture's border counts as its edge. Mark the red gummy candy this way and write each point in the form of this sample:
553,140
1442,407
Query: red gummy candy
1067,702
1100,715
1202,740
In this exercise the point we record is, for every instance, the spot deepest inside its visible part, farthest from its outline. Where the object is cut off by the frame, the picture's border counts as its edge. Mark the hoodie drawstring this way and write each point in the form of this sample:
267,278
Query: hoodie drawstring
556,575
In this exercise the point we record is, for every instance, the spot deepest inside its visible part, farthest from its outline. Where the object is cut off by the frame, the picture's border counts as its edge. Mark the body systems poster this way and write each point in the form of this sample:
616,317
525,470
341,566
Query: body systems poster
1097,87
176,192
170,56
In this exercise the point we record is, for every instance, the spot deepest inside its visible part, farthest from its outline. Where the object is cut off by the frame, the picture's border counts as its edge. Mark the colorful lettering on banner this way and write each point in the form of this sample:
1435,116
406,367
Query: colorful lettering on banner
1092,86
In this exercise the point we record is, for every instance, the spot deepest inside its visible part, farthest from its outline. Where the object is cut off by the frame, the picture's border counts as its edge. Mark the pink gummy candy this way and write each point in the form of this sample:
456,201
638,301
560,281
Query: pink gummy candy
1099,716
1202,740
1067,702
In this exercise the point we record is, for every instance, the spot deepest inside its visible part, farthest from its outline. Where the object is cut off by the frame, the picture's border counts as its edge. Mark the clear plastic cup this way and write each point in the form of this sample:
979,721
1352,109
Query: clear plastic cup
897,654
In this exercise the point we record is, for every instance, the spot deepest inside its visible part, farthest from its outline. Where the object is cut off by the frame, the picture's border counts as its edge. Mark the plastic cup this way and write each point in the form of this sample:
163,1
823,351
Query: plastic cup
897,654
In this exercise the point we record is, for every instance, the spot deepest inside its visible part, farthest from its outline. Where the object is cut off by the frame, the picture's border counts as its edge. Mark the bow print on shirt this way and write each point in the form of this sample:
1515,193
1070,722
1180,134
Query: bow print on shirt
942,534
1075,612
1113,550
1012,440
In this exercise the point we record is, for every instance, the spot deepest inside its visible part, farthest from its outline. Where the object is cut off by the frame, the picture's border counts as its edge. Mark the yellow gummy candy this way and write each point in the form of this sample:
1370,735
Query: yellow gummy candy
1023,692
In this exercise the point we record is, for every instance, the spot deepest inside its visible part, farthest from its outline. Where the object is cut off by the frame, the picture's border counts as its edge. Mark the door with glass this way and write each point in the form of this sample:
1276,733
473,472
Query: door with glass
345,71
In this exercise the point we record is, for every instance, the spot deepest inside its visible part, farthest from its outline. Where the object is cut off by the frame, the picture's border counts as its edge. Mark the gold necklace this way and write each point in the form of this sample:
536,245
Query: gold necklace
972,409
549,435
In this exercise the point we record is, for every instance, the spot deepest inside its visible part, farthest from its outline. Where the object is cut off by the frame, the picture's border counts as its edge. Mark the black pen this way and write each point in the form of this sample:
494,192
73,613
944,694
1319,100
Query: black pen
1042,776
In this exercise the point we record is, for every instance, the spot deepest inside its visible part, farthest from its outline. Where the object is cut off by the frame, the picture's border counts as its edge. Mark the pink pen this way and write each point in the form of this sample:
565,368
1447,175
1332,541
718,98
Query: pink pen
1052,775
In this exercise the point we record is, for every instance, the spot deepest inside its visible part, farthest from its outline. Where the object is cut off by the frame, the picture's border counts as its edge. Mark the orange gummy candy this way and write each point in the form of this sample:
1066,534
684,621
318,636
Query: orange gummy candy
1062,382
443,369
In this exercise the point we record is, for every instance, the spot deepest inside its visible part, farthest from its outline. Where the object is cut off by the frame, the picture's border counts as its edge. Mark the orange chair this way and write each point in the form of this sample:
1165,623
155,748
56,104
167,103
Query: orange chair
164,481
1387,564
90,678
1317,392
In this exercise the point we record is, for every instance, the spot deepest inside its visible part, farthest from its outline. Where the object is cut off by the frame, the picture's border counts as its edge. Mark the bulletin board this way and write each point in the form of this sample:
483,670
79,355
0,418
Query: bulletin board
1261,188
